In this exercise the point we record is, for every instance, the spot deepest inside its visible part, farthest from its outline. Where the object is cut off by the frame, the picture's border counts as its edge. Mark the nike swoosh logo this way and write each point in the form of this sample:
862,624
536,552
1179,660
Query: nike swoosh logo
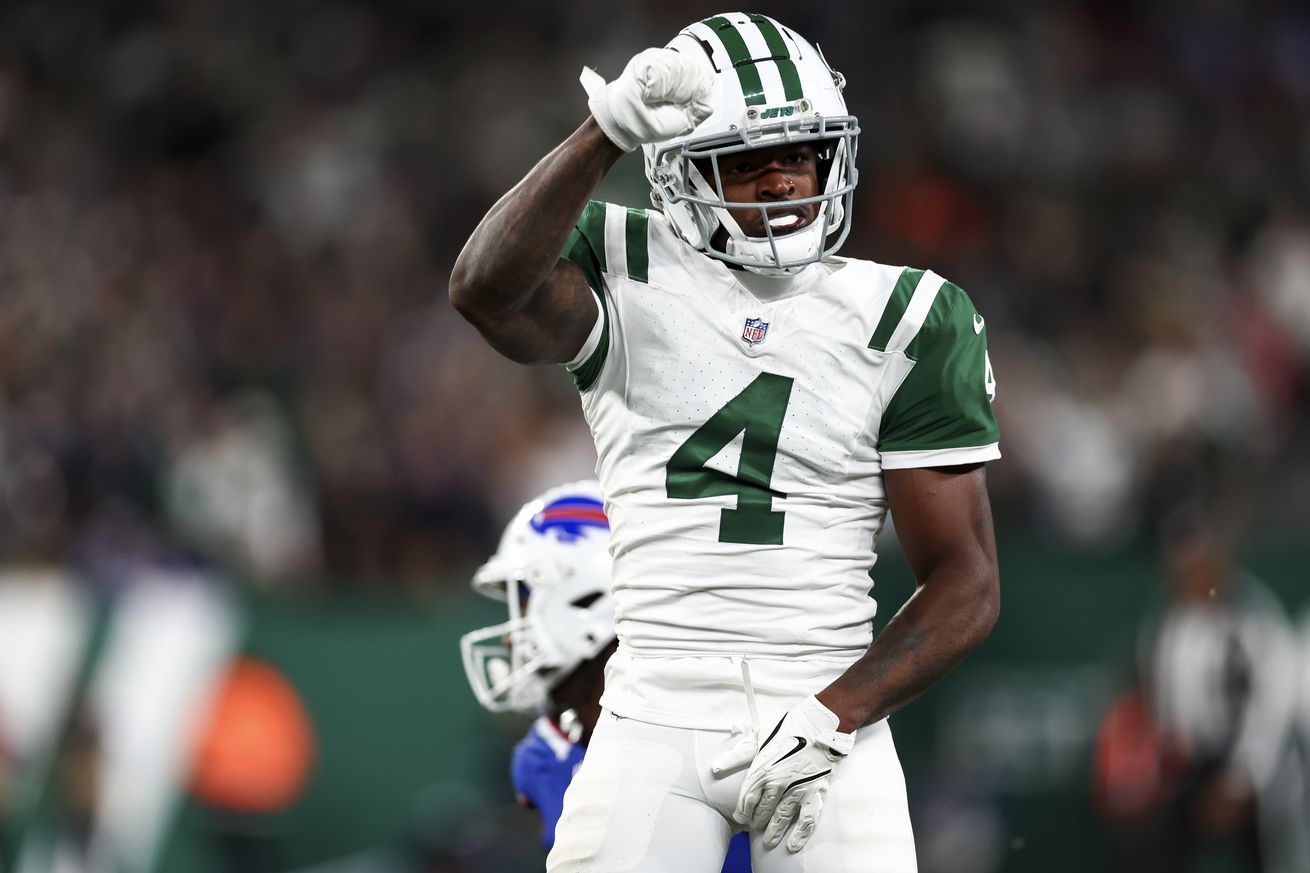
800,744
803,781
977,324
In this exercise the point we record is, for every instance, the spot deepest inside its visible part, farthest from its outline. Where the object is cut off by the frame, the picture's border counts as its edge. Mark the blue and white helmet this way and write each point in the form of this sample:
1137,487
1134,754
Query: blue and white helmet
552,569
772,86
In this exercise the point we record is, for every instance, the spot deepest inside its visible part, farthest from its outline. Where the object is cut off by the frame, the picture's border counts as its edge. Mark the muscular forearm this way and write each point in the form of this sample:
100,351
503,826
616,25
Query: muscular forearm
492,277
952,611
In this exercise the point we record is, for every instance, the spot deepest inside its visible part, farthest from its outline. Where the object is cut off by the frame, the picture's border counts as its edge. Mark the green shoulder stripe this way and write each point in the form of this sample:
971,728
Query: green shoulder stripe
627,250
637,242
614,240
586,248
897,303
586,375
586,245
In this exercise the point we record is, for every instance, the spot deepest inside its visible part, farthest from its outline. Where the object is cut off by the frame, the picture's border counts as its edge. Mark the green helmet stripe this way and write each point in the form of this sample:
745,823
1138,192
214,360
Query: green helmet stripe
740,58
791,80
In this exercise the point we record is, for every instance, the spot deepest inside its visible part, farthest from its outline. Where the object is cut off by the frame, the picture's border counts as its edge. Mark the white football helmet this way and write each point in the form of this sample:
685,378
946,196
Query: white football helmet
772,87
552,569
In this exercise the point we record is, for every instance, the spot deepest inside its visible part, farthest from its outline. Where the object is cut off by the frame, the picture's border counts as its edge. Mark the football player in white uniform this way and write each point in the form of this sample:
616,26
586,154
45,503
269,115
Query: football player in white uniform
759,405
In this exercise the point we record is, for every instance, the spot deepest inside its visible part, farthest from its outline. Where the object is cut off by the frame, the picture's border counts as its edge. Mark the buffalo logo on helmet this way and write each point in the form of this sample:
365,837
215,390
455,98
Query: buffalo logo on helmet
569,518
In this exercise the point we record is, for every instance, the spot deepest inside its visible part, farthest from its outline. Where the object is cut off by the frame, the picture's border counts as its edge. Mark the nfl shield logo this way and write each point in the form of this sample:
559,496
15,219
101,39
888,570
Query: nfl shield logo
755,331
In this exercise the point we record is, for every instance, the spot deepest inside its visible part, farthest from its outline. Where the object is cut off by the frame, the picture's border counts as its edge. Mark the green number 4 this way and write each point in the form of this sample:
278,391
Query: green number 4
758,410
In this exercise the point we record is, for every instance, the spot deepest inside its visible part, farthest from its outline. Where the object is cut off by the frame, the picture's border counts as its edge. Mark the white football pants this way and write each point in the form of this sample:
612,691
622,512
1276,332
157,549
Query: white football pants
644,801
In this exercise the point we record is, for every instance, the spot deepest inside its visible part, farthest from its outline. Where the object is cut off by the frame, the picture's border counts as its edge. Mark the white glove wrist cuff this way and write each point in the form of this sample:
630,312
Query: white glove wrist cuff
598,103
837,742
825,722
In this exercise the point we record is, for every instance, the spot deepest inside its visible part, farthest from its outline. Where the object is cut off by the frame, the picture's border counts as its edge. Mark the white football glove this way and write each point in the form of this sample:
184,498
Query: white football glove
788,778
661,94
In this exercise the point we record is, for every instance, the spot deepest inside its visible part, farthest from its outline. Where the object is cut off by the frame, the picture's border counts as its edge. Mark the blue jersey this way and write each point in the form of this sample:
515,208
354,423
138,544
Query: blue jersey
542,768
543,765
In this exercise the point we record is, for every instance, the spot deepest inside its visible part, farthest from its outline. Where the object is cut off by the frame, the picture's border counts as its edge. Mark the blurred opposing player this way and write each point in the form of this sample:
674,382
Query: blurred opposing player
552,569
759,405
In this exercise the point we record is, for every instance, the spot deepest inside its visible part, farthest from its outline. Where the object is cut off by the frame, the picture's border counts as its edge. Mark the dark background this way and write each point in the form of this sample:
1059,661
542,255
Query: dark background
225,236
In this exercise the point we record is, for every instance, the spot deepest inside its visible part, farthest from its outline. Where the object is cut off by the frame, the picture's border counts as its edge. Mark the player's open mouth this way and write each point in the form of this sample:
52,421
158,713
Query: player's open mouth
787,222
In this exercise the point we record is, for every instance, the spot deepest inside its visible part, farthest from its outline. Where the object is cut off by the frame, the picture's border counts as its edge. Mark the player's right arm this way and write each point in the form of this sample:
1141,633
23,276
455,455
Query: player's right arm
509,281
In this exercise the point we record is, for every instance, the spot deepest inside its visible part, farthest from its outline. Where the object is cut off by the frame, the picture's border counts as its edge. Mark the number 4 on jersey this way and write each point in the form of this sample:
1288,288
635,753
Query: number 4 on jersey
758,412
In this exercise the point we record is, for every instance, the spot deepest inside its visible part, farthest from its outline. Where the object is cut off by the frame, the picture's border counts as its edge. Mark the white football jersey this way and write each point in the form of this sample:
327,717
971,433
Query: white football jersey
742,425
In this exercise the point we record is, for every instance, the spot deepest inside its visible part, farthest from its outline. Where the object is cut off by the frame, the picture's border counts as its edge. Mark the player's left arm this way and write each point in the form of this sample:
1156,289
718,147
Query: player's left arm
935,433
944,524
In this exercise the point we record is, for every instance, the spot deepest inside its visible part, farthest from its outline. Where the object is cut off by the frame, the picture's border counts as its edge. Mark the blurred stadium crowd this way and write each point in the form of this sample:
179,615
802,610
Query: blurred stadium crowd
225,233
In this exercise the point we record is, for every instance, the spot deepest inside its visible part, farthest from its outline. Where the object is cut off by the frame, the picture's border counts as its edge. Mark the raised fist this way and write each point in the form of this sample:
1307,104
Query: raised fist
660,94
